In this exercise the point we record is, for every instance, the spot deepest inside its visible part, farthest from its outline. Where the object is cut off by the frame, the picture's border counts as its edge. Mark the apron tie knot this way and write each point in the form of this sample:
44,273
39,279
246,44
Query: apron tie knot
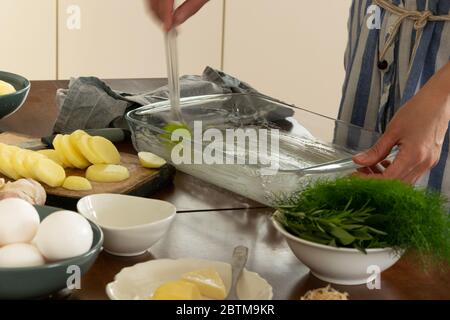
420,19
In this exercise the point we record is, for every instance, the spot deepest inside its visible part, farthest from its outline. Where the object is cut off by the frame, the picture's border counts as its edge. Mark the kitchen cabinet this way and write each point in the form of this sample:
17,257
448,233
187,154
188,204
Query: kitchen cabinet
118,39
28,32
292,50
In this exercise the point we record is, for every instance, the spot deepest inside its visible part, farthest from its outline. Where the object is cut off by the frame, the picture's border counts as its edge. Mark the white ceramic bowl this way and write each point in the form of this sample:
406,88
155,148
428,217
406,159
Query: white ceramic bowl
340,265
141,280
131,225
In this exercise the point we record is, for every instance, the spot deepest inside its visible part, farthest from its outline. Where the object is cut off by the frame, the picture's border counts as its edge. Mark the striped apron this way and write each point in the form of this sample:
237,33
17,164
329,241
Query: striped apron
373,91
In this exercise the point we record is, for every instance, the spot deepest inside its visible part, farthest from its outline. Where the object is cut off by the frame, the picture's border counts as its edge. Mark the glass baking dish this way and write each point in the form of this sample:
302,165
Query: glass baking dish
305,145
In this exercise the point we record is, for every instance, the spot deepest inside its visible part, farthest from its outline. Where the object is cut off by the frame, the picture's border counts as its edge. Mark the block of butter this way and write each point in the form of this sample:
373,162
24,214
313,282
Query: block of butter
208,282
177,290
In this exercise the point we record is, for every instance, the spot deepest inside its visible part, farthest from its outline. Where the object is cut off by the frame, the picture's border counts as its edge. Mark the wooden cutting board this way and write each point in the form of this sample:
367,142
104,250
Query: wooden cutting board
142,182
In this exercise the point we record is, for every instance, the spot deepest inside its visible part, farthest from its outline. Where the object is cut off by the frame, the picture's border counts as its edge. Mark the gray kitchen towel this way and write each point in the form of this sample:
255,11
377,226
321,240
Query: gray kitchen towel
90,103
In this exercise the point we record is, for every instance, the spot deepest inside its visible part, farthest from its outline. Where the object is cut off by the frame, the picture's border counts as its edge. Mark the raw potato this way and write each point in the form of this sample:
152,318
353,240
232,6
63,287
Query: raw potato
50,173
105,149
76,135
58,148
77,184
52,155
150,160
18,162
107,173
85,149
6,88
30,162
72,154
6,166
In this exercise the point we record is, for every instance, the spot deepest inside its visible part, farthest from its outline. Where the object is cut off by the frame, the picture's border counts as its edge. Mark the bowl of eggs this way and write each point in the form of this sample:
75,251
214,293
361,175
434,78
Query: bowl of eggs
14,90
42,249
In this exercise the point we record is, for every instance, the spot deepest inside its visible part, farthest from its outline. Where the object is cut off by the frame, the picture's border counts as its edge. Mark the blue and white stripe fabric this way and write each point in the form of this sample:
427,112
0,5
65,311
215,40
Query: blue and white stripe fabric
371,96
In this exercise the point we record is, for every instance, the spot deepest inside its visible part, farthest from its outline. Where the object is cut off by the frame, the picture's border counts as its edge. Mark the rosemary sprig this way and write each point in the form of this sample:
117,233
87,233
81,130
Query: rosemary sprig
360,213
346,227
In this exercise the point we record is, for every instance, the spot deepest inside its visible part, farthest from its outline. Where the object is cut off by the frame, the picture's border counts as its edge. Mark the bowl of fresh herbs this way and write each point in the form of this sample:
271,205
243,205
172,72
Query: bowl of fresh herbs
349,229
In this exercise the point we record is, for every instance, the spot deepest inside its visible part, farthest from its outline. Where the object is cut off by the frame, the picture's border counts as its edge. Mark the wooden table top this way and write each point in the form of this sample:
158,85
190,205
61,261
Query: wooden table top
211,221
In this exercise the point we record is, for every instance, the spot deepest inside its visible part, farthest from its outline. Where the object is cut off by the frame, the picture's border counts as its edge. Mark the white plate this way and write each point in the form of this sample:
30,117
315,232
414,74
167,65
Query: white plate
140,281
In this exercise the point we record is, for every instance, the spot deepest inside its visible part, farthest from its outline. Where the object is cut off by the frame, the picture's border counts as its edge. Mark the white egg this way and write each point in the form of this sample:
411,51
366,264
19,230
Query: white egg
19,221
20,255
64,235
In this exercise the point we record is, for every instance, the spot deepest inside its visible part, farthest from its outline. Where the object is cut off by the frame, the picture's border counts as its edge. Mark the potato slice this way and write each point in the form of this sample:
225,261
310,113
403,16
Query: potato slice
31,160
150,160
105,149
76,135
52,155
18,162
6,166
72,154
77,184
107,173
49,172
57,145
86,151
75,138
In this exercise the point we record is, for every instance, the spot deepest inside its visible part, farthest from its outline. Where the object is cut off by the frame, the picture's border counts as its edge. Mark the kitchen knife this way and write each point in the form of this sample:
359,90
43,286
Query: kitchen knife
112,134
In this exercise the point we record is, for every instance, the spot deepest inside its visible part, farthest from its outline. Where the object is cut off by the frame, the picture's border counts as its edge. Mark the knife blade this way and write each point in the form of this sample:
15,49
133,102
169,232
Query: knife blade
112,134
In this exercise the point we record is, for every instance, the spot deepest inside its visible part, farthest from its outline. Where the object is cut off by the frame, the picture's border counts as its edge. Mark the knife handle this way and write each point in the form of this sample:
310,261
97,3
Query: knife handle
112,134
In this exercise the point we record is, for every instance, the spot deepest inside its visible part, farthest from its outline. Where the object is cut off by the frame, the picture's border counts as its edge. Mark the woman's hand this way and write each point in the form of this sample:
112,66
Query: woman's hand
418,129
164,11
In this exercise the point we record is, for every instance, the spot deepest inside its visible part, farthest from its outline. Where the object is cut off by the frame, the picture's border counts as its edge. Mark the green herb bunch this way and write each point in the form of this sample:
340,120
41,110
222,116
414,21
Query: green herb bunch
362,213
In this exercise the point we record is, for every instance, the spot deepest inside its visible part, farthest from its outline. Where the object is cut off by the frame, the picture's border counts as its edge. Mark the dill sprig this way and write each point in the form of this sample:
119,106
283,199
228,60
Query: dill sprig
362,213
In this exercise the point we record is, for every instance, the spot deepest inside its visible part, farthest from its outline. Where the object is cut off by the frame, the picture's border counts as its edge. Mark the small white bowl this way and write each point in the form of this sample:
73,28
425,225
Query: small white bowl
140,281
340,265
131,225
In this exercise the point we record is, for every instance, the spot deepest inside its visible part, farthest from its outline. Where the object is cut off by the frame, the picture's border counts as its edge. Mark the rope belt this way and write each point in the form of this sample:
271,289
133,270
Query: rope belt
420,18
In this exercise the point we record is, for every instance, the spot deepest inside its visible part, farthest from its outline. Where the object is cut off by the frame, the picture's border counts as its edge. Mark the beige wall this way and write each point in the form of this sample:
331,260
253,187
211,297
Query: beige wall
118,39
27,35
290,49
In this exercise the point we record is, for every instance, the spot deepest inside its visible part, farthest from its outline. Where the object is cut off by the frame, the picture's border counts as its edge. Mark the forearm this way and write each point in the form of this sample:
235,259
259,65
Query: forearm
436,93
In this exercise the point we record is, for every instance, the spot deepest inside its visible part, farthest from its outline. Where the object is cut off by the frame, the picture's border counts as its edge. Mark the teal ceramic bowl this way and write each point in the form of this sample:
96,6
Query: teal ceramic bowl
42,281
10,103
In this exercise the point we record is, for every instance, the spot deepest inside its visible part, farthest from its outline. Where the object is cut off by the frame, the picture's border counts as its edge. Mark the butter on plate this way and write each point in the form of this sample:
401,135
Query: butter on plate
177,290
194,285
208,282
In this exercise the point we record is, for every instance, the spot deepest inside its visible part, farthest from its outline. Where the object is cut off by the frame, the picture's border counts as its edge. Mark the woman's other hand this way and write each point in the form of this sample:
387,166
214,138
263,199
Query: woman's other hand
418,129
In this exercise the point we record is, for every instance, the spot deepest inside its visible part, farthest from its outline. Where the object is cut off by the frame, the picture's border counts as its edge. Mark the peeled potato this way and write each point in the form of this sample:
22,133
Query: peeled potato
30,161
18,162
52,155
6,166
105,149
107,173
72,154
6,88
77,184
150,160
85,149
49,172
58,147
76,135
